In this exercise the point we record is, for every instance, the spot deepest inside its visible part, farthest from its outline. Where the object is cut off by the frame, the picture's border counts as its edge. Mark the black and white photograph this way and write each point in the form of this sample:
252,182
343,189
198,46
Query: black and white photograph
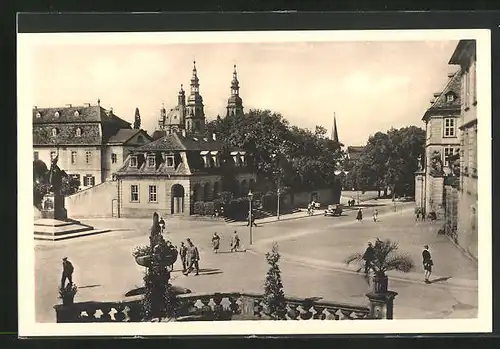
239,182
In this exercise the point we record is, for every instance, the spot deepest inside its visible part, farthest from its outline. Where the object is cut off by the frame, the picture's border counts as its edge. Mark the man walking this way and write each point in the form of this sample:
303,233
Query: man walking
183,254
428,263
251,220
193,257
162,225
375,215
369,257
359,216
67,272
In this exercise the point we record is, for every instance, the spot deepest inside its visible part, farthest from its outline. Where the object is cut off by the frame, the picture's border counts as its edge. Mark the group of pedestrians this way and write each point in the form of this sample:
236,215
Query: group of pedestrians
234,243
370,256
359,215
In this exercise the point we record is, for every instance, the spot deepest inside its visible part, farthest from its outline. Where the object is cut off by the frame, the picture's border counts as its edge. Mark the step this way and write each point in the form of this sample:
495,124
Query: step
71,236
48,222
61,230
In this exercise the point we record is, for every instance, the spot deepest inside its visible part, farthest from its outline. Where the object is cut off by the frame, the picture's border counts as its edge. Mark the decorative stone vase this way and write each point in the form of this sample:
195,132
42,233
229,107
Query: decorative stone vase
143,261
380,284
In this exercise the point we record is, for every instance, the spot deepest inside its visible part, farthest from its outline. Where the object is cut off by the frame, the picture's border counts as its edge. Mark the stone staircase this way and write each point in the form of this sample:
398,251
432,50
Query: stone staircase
55,230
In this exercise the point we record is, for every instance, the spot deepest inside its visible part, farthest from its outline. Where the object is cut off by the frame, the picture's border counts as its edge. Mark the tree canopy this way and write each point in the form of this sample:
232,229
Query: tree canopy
303,159
389,160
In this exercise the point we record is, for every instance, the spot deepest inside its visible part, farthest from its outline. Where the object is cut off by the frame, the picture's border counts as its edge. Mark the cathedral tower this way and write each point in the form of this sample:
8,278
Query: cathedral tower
234,103
195,115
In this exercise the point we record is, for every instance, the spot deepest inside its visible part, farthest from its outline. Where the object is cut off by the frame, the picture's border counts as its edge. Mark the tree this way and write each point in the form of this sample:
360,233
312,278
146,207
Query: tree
274,297
137,119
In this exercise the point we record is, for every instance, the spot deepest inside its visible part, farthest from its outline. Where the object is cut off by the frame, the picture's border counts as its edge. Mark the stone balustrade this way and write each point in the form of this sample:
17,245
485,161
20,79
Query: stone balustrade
212,307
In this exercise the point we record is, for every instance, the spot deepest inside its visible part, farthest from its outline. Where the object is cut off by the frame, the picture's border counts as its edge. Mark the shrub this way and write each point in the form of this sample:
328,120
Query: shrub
141,251
208,208
274,297
198,208
225,197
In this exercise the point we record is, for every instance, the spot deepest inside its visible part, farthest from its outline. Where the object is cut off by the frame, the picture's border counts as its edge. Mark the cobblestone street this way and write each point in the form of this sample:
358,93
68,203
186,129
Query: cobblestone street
312,248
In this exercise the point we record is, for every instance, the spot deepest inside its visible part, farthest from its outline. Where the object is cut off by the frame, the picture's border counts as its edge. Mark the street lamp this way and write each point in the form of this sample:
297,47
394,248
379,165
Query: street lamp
250,197
277,172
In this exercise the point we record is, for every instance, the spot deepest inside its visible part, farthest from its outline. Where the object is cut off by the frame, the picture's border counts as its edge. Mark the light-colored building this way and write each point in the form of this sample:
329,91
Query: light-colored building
465,56
170,174
442,141
91,142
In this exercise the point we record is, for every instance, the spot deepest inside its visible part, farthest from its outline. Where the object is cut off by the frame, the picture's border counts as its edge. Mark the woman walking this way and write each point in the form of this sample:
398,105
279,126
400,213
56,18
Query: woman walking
216,242
359,216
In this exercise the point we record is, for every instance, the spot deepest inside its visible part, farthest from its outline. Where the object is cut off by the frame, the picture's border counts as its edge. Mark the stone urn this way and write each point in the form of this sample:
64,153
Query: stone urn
380,283
143,261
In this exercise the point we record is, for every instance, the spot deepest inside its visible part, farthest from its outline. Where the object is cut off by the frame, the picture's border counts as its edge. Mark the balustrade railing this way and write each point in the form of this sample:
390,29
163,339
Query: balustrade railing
212,307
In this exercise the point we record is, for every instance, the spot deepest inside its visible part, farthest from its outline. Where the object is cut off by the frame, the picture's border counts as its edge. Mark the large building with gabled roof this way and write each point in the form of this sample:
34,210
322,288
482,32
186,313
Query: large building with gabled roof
173,172
90,141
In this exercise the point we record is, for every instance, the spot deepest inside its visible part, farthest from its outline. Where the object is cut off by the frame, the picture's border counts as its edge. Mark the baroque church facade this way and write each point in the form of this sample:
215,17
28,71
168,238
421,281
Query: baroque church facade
182,165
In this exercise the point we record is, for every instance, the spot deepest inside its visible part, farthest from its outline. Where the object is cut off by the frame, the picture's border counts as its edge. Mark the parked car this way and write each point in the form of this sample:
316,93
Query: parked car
316,205
333,210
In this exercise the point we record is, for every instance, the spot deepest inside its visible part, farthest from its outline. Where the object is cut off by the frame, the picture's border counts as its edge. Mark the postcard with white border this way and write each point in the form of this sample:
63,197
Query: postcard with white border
240,183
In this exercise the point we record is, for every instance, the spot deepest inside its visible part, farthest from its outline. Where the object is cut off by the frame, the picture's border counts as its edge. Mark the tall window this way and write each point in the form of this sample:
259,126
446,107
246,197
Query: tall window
134,193
133,161
54,132
78,132
151,161
73,157
449,127
449,151
170,161
152,193
88,156
88,181
114,158
35,155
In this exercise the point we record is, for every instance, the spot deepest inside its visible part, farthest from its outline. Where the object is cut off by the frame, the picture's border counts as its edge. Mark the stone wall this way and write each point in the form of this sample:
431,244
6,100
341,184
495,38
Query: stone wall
467,232
302,199
93,202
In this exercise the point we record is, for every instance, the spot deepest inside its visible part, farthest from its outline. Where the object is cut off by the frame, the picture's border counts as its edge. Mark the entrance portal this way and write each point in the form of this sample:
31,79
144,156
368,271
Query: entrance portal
177,201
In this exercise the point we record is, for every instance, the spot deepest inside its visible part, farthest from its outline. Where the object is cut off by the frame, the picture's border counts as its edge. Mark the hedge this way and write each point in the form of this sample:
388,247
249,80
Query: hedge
204,208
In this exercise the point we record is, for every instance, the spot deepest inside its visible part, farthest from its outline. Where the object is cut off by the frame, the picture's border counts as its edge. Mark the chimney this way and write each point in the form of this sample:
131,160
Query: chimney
432,101
86,104
450,75
437,94
68,105
183,133
214,137
111,110
35,107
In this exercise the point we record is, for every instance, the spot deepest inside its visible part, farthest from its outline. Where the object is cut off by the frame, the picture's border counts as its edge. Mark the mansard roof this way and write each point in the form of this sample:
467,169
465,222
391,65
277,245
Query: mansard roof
177,141
76,114
441,106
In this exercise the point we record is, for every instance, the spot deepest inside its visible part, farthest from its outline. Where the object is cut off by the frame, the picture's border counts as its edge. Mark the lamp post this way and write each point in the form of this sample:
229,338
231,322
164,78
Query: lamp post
250,197
277,172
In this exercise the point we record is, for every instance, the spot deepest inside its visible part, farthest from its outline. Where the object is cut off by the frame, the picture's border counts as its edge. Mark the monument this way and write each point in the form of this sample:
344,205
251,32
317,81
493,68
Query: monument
54,223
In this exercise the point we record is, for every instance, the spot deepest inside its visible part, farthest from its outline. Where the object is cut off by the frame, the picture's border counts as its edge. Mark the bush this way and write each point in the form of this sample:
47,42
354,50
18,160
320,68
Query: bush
209,208
141,251
198,208
274,297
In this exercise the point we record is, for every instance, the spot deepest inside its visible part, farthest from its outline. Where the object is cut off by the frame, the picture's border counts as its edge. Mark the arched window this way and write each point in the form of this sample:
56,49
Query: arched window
78,132
54,132
56,114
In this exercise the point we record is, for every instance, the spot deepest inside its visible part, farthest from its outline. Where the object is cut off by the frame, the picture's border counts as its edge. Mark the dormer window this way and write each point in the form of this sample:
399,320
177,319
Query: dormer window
169,161
54,132
140,139
133,161
151,161
450,97
205,154
78,132
56,114
76,113
215,158
38,115
236,158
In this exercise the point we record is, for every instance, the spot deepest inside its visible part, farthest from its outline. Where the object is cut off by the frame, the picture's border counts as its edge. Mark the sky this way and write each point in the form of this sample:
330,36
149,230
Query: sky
369,86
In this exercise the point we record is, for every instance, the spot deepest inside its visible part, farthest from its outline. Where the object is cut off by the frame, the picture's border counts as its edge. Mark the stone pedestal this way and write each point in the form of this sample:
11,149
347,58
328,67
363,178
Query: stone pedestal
53,207
381,305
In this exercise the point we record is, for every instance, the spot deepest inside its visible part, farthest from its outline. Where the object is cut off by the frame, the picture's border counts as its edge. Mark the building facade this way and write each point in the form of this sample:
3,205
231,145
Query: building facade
467,232
91,142
442,142
170,174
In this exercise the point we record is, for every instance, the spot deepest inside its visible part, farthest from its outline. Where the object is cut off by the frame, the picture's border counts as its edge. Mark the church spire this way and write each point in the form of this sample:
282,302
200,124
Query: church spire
335,134
234,103
195,114
195,82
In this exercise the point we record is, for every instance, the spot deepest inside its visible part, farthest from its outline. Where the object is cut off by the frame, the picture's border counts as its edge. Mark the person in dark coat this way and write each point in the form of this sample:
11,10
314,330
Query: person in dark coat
162,225
193,258
67,272
183,255
359,216
216,242
369,257
428,263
